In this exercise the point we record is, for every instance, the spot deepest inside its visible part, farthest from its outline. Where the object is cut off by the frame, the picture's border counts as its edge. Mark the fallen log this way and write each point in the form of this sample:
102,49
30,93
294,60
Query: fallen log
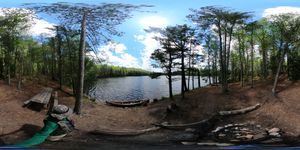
198,124
211,120
239,111
207,144
124,132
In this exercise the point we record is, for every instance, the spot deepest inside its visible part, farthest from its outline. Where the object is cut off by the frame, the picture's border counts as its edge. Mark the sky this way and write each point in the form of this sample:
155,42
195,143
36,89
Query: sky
134,48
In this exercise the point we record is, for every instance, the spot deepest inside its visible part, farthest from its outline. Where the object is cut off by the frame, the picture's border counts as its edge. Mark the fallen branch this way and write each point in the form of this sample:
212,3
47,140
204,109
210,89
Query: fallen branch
187,125
239,111
124,132
211,120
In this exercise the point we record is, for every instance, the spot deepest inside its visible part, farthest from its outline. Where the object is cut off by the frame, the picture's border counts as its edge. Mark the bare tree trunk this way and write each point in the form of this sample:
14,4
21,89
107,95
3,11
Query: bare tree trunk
264,63
252,59
170,76
183,82
52,59
193,79
209,68
79,93
59,60
189,72
199,78
222,78
170,85
278,70
241,61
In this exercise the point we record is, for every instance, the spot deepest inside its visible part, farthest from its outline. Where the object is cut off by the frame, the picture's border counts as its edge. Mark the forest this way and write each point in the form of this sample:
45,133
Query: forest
116,71
234,49
251,66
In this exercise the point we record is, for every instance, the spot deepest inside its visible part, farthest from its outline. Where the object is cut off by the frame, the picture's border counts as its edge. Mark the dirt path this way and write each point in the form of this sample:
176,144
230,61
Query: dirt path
18,123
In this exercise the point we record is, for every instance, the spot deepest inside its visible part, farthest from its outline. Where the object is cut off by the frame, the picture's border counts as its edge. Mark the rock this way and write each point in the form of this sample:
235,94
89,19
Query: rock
259,136
229,125
190,130
274,130
172,108
221,135
217,129
165,123
275,134
249,136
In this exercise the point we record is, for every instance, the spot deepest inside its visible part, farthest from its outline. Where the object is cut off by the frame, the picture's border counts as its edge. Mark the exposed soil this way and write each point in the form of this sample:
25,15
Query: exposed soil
18,123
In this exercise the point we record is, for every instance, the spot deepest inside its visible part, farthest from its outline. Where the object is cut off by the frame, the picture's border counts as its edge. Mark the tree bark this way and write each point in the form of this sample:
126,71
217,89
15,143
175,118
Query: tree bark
59,59
252,59
183,82
199,79
79,93
278,70
170,76
241,62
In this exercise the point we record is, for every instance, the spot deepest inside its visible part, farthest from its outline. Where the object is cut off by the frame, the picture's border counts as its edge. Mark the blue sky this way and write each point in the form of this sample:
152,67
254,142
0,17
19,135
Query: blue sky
135,46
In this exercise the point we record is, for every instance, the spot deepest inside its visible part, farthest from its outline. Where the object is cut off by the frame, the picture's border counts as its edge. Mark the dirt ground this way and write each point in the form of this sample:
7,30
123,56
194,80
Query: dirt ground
18,123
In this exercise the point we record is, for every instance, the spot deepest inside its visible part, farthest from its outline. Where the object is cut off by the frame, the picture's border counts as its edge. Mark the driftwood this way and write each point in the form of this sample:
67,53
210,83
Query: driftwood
41,98
211,120
124,132
239,111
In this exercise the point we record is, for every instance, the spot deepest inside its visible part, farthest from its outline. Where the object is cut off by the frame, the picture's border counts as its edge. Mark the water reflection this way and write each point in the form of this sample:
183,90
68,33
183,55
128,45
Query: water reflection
136,88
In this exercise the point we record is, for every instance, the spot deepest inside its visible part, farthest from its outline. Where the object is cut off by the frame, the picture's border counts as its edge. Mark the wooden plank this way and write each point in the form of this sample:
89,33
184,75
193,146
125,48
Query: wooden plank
42,98
53,101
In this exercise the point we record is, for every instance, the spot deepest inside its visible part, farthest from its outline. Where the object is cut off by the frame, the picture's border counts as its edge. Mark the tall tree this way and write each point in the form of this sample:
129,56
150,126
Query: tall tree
222,22
180,36
97,25
12,26
286,28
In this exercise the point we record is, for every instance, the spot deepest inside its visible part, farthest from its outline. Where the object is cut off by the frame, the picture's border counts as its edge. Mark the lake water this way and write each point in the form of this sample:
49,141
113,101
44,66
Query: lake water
137,88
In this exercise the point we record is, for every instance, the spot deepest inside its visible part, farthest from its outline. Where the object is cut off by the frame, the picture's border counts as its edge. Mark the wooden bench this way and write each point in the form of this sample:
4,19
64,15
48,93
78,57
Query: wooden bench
41,98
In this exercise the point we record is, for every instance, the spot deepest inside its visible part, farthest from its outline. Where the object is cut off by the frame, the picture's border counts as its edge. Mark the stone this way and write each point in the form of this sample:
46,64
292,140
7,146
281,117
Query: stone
249,136
190,130
275,134
221,135
274,130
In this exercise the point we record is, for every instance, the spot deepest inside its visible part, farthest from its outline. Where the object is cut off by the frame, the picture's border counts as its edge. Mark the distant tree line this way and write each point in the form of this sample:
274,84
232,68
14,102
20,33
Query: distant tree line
116,71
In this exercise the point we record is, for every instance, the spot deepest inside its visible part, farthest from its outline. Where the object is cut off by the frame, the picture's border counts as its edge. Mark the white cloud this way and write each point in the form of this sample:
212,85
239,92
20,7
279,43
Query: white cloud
150,44
280,10
114,47
114,54
37,26
42,27
147,39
